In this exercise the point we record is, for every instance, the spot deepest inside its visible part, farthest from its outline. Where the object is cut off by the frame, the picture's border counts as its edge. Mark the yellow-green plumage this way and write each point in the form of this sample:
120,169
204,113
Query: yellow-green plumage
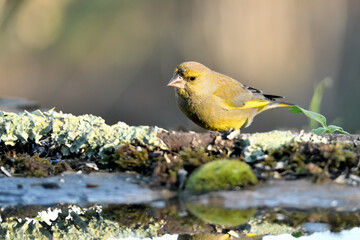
215,101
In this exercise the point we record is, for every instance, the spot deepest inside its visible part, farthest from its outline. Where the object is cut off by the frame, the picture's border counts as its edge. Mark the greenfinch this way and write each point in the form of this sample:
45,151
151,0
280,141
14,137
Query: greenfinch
217,102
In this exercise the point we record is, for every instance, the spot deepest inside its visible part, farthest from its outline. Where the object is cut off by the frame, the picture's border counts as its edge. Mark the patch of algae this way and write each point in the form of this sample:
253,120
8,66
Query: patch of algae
71,223
220,174
258,143
73,134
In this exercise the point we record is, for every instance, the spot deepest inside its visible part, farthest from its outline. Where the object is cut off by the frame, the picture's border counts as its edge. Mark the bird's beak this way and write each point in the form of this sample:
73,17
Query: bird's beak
177,81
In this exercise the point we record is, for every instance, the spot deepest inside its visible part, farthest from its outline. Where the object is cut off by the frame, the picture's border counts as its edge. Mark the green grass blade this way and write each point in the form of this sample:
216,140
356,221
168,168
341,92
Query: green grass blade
316,99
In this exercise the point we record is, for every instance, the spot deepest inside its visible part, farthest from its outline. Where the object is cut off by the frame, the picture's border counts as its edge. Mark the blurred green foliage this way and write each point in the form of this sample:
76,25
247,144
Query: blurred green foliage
315,103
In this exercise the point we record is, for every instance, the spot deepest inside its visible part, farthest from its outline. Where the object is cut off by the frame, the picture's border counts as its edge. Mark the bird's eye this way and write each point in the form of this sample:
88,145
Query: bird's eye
192,78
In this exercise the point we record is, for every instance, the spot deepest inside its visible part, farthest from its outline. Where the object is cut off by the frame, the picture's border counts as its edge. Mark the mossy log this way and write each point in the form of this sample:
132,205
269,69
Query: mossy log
181,140
280,154
86,142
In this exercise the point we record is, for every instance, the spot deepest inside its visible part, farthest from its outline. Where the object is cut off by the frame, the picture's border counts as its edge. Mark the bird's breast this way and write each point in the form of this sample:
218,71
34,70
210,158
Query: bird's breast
208,113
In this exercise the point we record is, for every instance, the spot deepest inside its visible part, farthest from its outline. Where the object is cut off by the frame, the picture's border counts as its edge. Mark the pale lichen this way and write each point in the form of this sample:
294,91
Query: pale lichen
73,134
72,222
263,227
257,144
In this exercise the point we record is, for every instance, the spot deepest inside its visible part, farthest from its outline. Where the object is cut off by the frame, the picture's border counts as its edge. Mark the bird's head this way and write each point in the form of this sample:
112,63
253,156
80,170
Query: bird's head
191,78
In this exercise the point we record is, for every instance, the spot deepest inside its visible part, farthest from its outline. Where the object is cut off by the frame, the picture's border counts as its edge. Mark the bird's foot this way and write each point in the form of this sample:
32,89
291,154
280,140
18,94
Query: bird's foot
233,134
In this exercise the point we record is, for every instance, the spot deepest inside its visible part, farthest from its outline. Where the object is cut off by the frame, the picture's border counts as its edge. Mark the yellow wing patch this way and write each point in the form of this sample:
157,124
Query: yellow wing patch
248,104
254,104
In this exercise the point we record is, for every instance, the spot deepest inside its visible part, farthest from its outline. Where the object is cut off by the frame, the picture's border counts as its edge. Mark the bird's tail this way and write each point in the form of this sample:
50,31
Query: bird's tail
283,104
275,99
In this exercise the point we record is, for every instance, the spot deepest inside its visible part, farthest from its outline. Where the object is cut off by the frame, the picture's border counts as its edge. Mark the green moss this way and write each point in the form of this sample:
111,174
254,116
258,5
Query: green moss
321,161
190,159
31,166
194,157
338,154
131,158
34,166
167,168
220,174
221,216
298,162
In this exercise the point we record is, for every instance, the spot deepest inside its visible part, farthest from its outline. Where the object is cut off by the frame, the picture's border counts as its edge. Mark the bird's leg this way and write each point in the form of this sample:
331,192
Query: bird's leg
233,133
182,173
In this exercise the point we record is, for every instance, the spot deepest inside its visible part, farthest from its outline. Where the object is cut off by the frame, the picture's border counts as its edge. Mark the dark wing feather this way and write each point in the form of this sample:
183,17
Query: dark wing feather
272,97
267,96
253,90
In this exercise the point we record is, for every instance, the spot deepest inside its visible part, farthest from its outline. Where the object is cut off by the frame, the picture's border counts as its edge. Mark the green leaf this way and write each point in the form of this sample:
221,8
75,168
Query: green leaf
319,130
297,234
312,115
295,109
333,128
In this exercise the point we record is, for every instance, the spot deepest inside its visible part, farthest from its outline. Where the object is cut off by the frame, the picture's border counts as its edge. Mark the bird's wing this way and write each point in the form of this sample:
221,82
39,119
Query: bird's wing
234,95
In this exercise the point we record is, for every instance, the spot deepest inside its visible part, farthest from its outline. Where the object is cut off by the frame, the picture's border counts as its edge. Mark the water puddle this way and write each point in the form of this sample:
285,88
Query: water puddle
121,206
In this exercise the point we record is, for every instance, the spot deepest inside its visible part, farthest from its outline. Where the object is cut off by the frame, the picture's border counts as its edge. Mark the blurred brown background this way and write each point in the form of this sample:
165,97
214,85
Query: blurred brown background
114,58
